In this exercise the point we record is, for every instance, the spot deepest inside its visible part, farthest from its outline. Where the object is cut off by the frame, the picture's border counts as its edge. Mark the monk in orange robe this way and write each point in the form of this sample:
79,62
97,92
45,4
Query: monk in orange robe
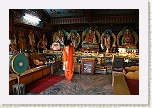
68,63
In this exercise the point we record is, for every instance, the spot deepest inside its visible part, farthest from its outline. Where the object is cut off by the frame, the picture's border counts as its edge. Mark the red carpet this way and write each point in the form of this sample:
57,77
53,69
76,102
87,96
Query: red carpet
43,84
133,86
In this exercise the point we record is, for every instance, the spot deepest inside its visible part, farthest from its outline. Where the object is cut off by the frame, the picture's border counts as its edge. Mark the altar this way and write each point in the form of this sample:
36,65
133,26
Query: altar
90,47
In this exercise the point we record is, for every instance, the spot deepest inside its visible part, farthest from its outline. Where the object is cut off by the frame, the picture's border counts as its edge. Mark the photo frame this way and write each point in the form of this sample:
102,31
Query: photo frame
88,66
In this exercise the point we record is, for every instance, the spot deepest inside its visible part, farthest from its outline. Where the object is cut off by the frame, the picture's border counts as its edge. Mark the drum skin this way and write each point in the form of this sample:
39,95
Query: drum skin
19,63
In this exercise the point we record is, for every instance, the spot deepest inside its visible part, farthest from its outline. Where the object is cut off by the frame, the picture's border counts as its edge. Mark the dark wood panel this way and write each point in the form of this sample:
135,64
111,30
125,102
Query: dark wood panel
26,79
46,71
77,67
36,75
30,76
55,66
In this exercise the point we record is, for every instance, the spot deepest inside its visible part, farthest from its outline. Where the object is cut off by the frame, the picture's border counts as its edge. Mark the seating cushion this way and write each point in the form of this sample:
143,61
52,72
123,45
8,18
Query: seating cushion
37,62
132,75
132,68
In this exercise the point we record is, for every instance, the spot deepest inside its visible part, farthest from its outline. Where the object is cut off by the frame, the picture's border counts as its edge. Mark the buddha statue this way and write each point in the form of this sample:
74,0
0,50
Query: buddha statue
58,37
31,41
89,40
42,44
127,40
44,41
22,40
90,37
108,40
75,38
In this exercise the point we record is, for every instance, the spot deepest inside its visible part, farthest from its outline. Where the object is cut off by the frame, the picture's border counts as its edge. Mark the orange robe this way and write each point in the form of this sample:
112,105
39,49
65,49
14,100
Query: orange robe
68,64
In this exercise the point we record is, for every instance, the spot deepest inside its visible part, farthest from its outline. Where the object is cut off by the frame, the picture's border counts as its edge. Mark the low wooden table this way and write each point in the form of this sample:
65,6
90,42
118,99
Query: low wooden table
55,66
29,76
77,68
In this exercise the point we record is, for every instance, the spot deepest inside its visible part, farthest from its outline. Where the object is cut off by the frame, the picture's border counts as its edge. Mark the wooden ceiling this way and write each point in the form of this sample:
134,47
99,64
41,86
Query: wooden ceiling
89,13
76,18
91,16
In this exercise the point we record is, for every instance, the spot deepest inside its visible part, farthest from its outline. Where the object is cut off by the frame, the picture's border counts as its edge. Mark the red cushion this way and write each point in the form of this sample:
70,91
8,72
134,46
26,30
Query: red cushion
133,86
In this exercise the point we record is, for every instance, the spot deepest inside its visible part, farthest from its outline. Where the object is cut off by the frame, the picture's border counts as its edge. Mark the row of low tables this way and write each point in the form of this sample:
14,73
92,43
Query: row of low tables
33,74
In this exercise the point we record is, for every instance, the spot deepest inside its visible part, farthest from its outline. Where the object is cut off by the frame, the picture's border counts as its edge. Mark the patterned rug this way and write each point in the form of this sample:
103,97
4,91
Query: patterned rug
97,84
43,83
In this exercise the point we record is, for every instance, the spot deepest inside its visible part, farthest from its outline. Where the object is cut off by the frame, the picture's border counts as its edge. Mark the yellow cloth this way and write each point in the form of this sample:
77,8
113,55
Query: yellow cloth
132,75
132,68
37,62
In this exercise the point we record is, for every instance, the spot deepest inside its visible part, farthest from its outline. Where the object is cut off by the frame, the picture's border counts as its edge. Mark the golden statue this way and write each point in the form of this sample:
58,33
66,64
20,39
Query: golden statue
129,39
90,40
43,42
22,40
106,40
32,42
88,36
75,38
59,36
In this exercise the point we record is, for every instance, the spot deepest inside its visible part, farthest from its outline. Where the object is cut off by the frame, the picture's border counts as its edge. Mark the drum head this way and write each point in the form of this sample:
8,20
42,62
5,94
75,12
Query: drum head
20,63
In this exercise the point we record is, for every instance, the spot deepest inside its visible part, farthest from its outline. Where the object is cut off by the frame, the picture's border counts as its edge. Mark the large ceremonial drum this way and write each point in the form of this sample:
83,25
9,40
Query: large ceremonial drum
19,63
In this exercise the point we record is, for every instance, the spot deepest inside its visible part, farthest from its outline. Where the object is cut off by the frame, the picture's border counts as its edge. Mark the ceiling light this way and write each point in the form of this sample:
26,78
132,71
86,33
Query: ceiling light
28,16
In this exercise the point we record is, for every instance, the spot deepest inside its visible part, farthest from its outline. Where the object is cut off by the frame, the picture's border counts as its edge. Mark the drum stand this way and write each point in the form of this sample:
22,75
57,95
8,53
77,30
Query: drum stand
18,89
22,60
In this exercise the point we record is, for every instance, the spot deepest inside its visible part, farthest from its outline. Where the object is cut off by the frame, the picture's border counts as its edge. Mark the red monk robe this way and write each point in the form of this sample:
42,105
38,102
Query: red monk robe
68,64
